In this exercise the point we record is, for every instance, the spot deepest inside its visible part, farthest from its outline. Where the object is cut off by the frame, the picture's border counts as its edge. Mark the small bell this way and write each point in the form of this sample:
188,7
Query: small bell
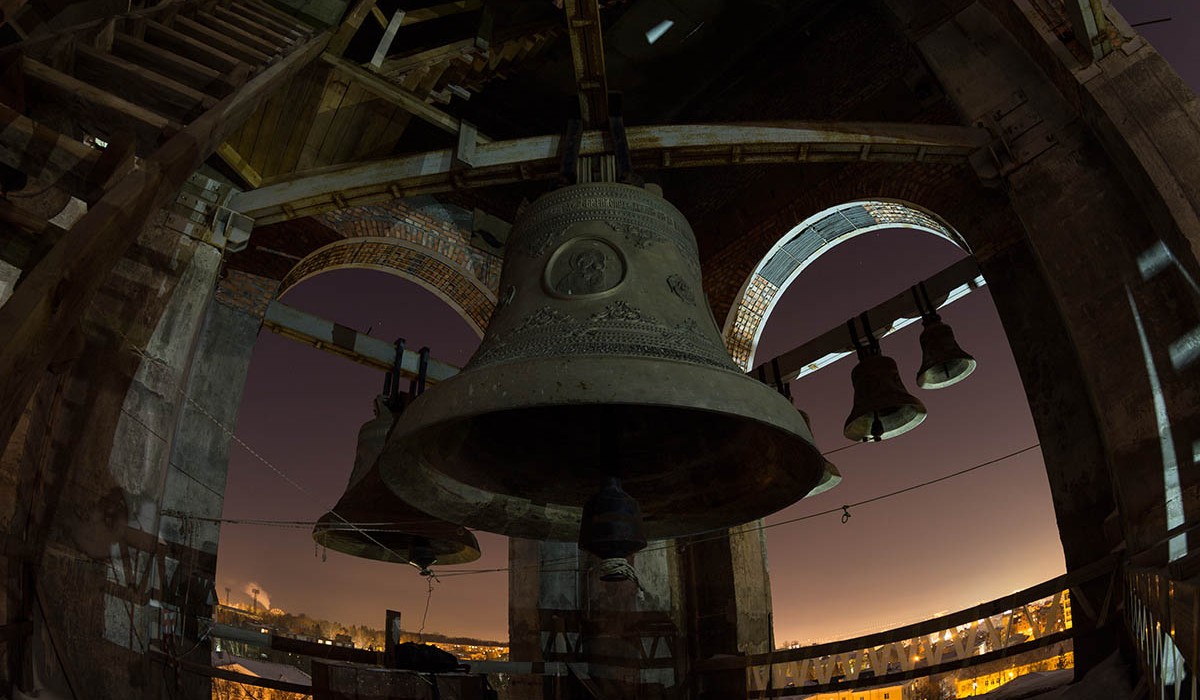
943,362
883,408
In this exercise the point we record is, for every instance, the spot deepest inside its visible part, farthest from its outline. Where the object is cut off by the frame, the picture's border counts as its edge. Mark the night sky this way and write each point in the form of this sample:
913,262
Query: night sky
936,549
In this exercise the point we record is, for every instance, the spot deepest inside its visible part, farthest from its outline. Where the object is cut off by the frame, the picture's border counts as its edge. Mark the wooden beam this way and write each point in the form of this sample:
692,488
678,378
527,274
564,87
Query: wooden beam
405,99
53,298
345,33
385,41
228,44
652,147
103,111
242,36
179,68
255,26
446,9
393,67
587,58
337,339
140,85
195,50
255,14
240,165
945,288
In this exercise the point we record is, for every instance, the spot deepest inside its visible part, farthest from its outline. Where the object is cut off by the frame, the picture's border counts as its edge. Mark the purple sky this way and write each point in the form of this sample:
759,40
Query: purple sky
939,548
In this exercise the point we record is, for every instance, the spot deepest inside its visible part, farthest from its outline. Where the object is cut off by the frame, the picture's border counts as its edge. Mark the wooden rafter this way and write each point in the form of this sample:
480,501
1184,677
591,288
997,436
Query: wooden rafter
587,58
405,99
55,293
652,147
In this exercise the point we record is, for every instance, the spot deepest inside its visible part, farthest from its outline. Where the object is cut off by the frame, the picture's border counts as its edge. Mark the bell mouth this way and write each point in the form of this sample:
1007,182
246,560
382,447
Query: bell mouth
399,546
895,422
520,458
944,374
389,529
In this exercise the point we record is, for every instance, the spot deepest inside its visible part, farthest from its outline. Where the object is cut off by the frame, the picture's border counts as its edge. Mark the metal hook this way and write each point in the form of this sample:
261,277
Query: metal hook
845,514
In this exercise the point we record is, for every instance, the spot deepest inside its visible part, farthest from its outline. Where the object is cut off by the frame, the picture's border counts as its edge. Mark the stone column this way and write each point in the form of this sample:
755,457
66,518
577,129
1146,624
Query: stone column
1094,278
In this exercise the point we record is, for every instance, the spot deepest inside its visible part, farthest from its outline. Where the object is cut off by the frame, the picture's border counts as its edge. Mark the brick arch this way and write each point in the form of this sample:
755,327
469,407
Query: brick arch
465,293
804,243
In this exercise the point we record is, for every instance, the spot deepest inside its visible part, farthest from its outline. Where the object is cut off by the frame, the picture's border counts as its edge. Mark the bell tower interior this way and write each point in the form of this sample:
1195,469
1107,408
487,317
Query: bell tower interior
608,377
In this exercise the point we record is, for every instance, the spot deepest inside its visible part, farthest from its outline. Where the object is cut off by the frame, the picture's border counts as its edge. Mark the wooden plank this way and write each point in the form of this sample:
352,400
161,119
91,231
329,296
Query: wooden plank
104,113
247,23
54,296
327,108
385,41
406,99
399,120
140,85
343,128
345,33
168,63
249,134
195,50
230,155
587,59
272,127
446,9
223,42
314,79
399,65
238,34
255,15
269,10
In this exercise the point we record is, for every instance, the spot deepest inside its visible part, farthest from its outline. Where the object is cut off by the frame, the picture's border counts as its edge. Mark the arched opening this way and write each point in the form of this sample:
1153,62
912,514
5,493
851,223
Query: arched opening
937,548
803,245
441,276
301,411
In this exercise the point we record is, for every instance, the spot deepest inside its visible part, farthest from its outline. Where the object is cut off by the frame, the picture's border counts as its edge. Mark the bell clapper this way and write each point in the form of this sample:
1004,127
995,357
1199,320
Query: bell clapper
611,529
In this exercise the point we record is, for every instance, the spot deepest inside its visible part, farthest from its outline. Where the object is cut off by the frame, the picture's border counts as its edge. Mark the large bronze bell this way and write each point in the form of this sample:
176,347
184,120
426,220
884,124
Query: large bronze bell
602,360
386,528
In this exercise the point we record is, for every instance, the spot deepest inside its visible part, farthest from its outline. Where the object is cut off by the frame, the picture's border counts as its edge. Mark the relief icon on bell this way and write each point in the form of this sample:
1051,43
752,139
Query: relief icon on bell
604,364
584,266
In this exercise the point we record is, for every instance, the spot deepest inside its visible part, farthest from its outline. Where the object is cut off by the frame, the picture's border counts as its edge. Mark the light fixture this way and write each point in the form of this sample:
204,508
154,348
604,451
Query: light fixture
656,32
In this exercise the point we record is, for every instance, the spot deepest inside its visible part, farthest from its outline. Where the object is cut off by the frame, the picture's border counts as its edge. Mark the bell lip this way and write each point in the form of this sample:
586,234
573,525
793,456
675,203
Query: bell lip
710,389
920,414
922,383
356,545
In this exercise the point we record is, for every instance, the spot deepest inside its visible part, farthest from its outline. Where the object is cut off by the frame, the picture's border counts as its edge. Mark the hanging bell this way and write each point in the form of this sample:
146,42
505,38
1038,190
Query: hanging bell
388,529
883,408
602,359
943,362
